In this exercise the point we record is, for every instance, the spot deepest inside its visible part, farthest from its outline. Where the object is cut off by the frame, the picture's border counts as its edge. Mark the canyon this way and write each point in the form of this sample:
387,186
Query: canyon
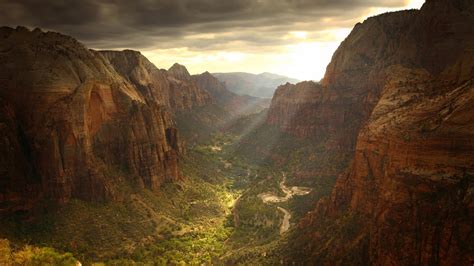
94,119
398,94
373,165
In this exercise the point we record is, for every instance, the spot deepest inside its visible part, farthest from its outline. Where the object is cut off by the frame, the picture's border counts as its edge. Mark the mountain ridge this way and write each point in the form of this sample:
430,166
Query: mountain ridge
259,85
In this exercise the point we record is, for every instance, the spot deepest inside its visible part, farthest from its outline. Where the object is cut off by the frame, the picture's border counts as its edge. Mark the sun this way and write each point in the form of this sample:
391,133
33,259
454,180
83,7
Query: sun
308,59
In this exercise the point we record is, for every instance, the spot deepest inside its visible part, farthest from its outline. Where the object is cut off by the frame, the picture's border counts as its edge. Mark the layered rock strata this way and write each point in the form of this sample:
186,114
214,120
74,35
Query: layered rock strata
407,197
76,122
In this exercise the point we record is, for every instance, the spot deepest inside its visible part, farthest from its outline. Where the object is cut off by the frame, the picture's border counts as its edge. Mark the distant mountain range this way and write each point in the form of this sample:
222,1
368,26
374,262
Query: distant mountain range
261,85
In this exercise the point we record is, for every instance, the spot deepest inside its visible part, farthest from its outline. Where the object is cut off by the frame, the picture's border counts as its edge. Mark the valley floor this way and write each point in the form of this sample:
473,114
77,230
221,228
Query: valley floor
228,210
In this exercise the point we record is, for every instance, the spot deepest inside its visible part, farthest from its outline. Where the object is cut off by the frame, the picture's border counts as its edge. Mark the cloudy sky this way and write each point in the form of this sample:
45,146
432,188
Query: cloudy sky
290,37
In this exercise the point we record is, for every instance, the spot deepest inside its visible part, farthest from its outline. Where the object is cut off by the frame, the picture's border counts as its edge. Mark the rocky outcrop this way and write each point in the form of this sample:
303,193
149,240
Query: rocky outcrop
186,93
359,69
408,196
311,111
410,183
337,107
179,72
216,88
233,103
76,123
173,88
304,110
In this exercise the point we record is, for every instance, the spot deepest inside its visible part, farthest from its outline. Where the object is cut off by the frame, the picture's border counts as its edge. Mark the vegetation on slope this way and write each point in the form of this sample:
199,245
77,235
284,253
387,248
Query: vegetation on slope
213,216
30,255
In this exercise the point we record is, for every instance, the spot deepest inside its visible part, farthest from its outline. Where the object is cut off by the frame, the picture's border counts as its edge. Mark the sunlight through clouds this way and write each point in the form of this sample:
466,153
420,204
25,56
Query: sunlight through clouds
301,54
308,61
291,38
299,34
415,4
410,4
165,58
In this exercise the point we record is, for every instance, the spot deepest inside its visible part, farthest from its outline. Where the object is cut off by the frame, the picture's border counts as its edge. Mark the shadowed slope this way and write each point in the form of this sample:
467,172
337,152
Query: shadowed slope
77,124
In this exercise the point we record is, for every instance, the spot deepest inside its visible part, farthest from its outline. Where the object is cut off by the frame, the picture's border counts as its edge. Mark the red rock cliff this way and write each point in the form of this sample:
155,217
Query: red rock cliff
173,88
73,125
408,196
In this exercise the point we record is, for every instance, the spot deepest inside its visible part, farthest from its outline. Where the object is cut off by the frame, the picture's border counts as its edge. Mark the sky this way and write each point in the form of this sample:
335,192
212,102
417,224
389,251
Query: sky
295,38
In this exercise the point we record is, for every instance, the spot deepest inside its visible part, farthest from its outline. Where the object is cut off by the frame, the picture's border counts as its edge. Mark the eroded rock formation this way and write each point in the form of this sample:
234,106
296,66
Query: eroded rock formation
173,88
234,104
408,196
76,122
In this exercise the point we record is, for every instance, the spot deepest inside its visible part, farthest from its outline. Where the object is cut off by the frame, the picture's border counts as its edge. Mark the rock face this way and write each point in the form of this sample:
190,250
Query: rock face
408,196
313,111
76,122
179,72
216,88
235,104
173,88
304,110
185,92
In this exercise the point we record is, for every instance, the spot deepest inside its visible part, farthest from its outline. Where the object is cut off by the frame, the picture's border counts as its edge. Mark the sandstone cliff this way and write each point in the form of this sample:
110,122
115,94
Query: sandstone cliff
293,106
173,88
235,104
75,124
216,88
408,196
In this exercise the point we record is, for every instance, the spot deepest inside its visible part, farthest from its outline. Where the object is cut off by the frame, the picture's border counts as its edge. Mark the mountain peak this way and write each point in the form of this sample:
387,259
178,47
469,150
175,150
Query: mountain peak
179,71
208,75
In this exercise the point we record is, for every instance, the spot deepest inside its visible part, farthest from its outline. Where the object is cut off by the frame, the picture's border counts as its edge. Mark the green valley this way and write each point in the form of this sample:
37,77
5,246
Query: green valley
214,215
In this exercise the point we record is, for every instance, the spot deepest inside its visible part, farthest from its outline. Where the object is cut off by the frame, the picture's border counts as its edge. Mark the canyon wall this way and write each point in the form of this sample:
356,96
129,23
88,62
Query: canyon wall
235,104
308,110
76,123
407,197
173,88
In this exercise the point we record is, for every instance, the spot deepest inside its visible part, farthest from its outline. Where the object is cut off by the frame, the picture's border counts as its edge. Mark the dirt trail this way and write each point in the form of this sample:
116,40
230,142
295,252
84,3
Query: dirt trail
285,224
269,197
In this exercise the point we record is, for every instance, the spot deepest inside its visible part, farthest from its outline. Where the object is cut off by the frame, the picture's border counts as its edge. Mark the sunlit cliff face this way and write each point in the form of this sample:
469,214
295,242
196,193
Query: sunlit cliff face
295,38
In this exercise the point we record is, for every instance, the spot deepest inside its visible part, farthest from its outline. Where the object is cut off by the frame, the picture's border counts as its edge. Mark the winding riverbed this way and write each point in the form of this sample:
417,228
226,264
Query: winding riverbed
269,197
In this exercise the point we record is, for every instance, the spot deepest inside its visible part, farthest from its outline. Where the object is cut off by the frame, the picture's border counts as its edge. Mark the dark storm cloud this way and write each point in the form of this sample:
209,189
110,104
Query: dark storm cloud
167,23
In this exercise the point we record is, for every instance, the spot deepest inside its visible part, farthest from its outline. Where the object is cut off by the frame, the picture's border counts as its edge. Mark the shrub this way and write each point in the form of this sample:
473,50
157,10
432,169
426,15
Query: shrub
5,252
33,256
